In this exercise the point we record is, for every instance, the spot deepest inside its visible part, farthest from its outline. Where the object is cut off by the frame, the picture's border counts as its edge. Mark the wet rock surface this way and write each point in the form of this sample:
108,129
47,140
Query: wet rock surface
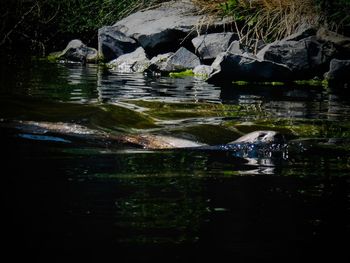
77,51
339,70
136,61
209,46
306,57
229,66
112,43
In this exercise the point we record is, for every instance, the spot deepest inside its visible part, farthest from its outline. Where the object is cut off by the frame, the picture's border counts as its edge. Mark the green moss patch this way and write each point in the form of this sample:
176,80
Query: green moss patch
53,57
312,82
182,74
263,83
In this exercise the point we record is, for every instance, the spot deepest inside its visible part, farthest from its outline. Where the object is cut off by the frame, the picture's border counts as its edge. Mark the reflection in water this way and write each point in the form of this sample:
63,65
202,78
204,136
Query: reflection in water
114,87
89,84
289,102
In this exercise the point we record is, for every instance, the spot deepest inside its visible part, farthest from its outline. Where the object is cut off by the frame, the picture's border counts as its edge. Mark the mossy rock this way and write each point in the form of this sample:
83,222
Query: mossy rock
173,111
106,116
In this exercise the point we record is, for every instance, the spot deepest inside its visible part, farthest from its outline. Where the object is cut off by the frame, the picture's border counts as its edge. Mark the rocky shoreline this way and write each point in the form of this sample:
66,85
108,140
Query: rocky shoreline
175,37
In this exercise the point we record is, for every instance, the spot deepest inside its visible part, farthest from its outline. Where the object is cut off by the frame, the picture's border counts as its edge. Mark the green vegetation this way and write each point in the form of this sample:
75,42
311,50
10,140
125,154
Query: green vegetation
262,83
43,26
313,82
182,74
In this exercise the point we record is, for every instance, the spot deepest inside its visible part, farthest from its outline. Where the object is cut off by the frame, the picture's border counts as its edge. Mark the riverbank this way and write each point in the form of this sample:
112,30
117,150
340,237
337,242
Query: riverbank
176,36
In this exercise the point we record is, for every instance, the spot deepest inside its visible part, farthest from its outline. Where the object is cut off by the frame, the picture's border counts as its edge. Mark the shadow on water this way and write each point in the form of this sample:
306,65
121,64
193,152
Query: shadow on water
68,201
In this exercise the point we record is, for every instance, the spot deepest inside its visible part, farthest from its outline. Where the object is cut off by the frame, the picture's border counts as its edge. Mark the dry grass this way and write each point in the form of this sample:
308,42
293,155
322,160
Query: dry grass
263,20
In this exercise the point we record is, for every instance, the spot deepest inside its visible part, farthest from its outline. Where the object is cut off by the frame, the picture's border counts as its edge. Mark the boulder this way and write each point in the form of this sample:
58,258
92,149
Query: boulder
163,28
181,60
342,43
203,71
112,43
339,70
159,63
235,48
210,45
306,58
136,61
77,51
228,67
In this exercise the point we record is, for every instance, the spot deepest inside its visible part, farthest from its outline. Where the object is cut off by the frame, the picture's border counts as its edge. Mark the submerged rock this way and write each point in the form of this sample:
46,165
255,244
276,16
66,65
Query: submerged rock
112,43
136,61
210,45
77,51
229,67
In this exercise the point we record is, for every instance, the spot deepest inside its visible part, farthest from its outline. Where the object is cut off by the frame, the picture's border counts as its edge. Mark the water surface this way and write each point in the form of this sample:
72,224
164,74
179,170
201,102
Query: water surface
74,198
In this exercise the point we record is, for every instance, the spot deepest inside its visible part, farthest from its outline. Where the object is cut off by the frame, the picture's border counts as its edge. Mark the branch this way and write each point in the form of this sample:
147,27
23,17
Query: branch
18,23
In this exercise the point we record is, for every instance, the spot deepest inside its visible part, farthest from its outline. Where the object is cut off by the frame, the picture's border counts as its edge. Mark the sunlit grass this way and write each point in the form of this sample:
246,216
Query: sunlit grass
270,20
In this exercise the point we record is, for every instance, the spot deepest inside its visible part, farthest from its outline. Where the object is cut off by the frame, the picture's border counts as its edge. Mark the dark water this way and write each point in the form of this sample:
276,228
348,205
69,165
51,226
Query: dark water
65,201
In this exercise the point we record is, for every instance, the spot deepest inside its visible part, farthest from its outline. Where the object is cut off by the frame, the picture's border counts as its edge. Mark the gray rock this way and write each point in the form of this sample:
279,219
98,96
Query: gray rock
235,48
159,63
210,45
339,70
228,67
180,60
342,43
136,61
162,29
306,58
183,59
112,43
303,32
203,71
79,52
